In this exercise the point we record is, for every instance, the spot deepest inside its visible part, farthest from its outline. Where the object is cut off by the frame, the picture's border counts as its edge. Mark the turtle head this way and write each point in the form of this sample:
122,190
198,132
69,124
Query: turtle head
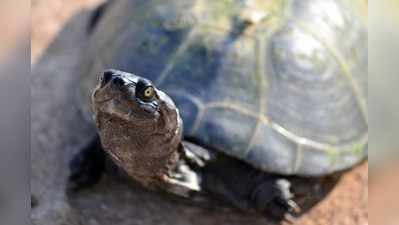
135,120
130,98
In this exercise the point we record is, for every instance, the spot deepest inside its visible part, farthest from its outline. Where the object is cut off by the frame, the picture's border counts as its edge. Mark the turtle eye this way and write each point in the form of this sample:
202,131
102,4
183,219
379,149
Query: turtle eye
149,92
145,90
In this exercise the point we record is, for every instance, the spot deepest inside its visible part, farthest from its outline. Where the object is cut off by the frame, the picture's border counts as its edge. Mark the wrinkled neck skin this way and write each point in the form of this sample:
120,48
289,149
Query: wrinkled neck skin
148,153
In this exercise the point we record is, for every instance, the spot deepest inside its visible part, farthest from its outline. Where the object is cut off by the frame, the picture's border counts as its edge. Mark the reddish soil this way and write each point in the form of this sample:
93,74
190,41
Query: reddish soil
384,196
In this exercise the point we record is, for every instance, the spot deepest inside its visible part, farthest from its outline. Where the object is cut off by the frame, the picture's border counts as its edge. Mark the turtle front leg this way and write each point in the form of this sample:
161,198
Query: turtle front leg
185,180
202,173
87,166
249,189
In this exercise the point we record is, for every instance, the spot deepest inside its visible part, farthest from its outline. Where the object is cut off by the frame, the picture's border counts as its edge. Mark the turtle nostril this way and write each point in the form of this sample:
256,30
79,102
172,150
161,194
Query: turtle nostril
107,76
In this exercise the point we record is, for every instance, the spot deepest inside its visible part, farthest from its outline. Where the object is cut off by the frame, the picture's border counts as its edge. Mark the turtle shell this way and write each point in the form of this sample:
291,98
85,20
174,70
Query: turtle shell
279,84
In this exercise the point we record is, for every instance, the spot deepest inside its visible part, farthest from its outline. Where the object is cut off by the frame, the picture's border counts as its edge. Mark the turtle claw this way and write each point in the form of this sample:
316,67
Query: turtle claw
292,211
293,207
281,209
273,196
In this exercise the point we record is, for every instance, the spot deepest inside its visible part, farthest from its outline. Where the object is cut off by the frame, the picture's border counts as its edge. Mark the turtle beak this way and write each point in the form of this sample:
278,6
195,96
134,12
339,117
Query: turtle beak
111,76
109,80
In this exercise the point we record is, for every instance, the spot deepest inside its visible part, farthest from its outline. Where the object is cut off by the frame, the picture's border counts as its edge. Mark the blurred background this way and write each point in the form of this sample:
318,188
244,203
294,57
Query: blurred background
45,18
384,111
48,17
383,82
14,112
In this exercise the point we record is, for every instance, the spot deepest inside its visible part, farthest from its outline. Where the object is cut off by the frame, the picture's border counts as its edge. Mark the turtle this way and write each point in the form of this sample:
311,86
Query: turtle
225,98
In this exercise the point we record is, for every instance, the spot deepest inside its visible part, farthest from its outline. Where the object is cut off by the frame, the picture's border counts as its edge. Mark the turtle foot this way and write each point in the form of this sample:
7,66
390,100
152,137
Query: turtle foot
249,189
274,197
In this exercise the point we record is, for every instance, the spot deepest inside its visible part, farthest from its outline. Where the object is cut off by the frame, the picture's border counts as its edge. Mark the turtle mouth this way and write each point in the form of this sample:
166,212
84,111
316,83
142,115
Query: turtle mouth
127,108
101,101
148,107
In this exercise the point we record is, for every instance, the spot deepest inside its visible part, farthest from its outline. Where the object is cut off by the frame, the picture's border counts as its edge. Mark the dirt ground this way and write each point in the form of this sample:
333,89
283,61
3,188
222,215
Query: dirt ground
346,205
384,195
48,16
